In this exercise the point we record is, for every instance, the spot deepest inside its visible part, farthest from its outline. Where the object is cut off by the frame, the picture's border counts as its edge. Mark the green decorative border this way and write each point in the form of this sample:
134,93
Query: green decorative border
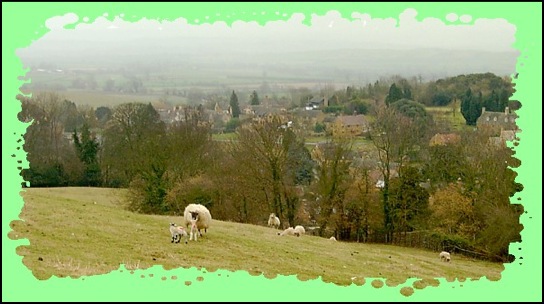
23,23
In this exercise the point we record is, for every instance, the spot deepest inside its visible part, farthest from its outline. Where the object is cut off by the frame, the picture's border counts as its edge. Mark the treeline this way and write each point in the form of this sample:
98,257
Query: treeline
454,192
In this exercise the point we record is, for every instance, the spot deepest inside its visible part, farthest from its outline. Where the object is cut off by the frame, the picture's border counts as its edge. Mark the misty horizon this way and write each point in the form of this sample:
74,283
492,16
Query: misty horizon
332,47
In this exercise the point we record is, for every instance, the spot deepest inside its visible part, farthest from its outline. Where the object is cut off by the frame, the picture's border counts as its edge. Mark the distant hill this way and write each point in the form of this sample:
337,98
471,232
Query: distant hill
341,65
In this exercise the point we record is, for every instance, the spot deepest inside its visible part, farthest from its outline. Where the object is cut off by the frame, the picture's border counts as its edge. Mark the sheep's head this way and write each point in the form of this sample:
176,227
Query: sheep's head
173,224
194,215
272,215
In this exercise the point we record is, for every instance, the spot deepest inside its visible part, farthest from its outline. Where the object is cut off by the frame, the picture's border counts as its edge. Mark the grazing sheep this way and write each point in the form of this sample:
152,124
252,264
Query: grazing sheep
177,232
288,231
445,256
299,230
332,238
199,213
273,221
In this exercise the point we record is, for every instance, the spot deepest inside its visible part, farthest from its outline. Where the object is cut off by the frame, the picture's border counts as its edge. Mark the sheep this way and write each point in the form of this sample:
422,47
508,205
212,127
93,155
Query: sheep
288,231
177,232
332,238
194,228
273,221
199,213
445,256
299,230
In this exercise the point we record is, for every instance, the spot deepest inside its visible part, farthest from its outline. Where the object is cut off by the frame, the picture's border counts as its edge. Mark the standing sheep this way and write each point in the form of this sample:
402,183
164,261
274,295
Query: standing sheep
200,214
273,221
177,232
445,256
299,230
194,228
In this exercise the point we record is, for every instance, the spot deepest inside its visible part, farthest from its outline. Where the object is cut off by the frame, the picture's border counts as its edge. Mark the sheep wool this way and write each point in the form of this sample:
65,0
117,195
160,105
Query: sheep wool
177,232
199,213
194,229
288,231
299,230
445,256
273,221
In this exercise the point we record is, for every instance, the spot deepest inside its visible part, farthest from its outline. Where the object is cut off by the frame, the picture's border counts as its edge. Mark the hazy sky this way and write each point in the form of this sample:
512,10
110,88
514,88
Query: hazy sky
366,47
326,32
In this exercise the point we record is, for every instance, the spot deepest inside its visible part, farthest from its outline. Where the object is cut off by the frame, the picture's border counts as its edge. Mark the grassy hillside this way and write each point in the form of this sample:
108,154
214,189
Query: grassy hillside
444,116
85,231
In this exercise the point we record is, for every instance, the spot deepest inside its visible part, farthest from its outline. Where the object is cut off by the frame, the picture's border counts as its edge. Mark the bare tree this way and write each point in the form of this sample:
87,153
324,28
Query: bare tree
332,181
264,148
395,138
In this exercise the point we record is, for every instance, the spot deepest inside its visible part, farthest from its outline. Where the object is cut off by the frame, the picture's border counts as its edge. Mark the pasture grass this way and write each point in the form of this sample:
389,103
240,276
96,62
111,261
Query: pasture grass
81,231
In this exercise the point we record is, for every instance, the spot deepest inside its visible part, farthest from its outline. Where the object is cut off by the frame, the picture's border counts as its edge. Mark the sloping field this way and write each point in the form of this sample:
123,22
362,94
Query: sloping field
85,231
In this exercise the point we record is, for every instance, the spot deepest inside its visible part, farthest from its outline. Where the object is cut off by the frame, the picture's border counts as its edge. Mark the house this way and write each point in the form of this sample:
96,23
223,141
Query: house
498,120
505,135
350,125
317,102
264,112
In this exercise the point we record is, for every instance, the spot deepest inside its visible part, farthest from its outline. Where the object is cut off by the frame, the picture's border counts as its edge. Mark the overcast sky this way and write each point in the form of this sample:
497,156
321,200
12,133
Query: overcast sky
326,32
448,41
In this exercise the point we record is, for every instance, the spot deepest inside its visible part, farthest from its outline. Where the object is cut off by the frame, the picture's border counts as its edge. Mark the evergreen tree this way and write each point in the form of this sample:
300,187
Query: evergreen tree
235,107
409,201
254,99
503,99
394,94
407,93
491,103
87,151
471,107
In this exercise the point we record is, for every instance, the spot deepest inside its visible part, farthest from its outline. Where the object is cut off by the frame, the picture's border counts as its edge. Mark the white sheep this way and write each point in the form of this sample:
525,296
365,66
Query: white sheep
299,230
273,221
332,238
445,256
199,213
177,232
194,229
288,231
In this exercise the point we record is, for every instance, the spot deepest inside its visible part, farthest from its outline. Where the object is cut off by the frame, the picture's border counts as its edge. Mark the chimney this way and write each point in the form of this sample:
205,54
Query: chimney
506,110
483,110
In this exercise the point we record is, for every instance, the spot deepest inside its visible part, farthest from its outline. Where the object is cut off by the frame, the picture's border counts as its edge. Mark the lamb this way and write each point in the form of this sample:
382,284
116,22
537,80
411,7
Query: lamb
445,256
200,214
177,232
273,221
299,230
288,231
194,228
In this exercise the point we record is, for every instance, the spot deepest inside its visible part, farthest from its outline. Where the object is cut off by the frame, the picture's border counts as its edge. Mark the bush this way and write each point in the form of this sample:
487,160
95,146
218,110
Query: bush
147,194
319,128
195,190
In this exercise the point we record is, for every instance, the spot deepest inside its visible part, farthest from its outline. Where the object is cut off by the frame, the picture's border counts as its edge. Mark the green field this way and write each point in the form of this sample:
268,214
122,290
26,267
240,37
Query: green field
445,115
86,231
